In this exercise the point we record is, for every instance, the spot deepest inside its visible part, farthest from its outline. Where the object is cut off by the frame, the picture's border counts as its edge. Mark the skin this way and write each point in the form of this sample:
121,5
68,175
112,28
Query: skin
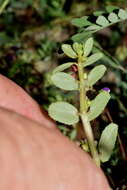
34,155
13,97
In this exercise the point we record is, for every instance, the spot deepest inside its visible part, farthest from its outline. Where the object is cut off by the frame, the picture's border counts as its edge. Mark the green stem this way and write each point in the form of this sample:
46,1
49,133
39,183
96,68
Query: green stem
83,104
84,118
90,138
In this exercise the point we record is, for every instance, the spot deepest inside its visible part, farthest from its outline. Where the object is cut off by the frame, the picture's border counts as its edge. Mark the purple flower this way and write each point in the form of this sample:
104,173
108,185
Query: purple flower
106,89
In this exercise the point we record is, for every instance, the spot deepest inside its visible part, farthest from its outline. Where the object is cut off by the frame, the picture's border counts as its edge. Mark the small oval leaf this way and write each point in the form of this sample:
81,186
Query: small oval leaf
64,81
102,21
93,27
107,141
63,112
81,36
111,8
67,49
113,17
81,22
88,46
98,13
98,104
122,14
75,46
93,58
96,74
73,134
63,67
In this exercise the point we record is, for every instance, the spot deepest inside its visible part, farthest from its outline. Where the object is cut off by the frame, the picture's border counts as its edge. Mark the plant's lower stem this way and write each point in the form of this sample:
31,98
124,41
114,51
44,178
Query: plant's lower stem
90,139
84,118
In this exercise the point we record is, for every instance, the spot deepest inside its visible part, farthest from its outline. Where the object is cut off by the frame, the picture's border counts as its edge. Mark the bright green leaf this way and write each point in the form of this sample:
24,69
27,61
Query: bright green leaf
98,104
113,17
67,49
111,8
64,81
95,74
122,14
63,67
102,21
73,134
107,141
80,37
93,27
64,113
88,47
81,22
98,13
93,58
77,47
